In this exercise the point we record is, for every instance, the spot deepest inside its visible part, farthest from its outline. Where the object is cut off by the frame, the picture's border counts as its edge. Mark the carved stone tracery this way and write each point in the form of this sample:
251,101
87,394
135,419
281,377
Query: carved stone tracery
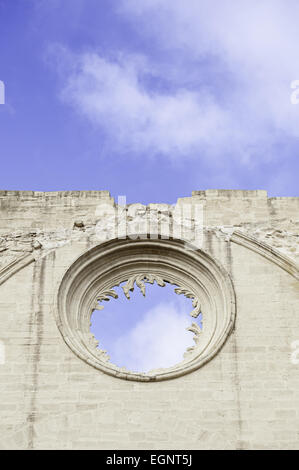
140,280
130,263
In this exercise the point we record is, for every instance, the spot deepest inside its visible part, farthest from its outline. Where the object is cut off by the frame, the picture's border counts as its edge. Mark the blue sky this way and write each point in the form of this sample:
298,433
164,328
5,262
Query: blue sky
145,332
149,99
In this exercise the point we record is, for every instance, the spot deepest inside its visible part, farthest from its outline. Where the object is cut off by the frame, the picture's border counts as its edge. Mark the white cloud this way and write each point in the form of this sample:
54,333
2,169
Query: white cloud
158,340
255,43
112,95
227,66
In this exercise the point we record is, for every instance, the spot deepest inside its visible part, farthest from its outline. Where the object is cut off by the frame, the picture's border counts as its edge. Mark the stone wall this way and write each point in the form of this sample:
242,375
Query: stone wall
246,397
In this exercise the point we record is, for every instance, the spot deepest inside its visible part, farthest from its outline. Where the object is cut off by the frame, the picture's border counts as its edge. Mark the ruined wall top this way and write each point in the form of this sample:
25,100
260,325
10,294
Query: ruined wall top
222,207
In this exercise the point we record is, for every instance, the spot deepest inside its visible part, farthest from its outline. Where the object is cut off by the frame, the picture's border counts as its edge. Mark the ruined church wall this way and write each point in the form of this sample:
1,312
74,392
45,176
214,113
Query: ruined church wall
245,397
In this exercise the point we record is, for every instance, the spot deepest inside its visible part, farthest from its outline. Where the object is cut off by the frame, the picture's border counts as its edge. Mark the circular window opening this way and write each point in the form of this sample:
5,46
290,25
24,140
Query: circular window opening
147,328
136,267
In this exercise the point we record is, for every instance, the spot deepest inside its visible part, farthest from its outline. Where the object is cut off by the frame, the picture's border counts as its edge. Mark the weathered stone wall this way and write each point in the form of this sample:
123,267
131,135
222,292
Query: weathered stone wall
245,397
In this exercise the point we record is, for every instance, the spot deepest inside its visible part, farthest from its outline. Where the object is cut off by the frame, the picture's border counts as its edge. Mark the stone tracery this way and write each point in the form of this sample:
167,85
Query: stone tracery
90,280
